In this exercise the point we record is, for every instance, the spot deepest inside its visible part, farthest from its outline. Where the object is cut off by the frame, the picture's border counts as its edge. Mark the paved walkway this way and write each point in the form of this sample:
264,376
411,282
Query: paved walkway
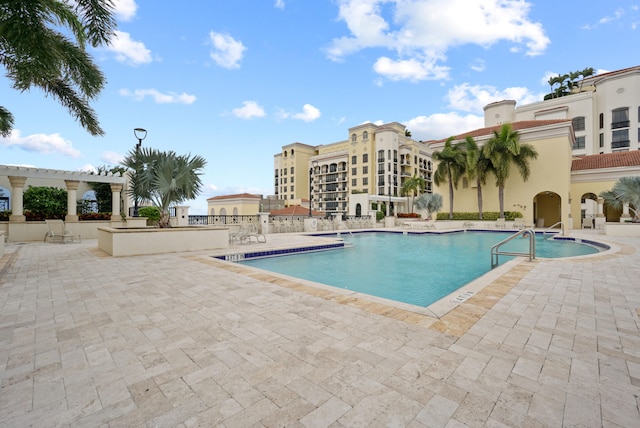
185,340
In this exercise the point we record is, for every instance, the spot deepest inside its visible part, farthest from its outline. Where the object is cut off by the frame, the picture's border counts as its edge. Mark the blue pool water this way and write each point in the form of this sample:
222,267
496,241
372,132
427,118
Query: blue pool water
418,269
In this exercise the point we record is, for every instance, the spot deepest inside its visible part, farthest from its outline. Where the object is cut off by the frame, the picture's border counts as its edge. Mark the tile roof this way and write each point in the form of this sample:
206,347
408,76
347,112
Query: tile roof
516,126
237,196
607,160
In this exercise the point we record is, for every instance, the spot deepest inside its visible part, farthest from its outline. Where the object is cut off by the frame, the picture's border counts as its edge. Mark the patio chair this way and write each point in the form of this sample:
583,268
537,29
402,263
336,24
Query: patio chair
58,231
500,223
518,223
249,232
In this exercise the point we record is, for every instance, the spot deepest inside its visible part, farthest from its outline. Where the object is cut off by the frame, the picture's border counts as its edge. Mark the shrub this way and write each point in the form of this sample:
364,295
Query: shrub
4,215
45,202
487,215
409,215
151,213
95,216
379,215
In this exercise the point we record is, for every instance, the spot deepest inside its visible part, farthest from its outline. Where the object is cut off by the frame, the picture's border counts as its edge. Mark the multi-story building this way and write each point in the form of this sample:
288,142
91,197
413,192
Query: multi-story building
604,111
373,160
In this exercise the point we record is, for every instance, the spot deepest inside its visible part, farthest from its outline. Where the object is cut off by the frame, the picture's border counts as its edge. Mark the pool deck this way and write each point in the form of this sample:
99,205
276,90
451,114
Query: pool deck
187,340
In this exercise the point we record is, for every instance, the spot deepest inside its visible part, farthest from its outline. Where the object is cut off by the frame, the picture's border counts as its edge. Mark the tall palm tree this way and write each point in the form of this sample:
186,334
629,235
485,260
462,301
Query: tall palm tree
503,150
477,166
165,178
410,187
42,44
625,191
451,164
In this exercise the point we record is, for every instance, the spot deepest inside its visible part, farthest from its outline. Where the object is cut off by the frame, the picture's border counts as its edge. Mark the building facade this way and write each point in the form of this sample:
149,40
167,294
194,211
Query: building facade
373,160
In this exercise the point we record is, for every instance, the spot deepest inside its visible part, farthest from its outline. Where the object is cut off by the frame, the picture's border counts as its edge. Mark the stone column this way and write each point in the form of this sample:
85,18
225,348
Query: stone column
72,192
17,199
115,201
600,207
625,213
600,219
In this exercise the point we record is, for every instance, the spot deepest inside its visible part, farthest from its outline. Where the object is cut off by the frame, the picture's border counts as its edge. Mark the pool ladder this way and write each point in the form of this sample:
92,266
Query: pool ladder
548,229
495,250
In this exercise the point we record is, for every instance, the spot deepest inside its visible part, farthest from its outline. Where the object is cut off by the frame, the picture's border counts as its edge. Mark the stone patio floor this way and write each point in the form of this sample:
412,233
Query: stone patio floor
186,340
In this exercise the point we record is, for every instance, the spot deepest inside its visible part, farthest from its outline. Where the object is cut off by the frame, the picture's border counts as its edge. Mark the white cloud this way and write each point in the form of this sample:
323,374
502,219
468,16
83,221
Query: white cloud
227,52
125,9
88,168
442,125
279,4
159,97
478,65
112,158
127,50
40,143
473,98
249,110
309,113
422,31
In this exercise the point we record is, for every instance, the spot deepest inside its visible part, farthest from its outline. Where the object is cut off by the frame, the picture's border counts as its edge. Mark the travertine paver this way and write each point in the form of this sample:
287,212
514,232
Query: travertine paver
184,340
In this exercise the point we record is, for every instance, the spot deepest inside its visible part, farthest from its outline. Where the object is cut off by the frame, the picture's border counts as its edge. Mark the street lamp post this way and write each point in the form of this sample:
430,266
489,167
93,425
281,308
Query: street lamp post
140,134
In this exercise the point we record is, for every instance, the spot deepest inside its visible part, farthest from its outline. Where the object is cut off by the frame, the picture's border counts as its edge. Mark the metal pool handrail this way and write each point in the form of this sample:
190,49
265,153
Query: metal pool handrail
532,247
551,227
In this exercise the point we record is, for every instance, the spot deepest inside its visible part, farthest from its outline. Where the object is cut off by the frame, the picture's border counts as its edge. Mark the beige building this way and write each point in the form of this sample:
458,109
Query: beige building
239,204
373,160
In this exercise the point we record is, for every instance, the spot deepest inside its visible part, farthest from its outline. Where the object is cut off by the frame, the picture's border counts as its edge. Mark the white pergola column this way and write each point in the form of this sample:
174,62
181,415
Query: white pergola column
600,220
72,196
17,199
115,201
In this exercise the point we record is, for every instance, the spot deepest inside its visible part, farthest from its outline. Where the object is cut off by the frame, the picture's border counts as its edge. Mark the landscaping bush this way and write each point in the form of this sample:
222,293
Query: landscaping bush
4,215
487,215
95,216
151,213
45,202
409,215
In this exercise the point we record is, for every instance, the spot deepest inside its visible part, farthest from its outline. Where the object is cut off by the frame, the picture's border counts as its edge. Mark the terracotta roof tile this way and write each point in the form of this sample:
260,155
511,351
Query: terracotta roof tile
516,126
237,196
607,160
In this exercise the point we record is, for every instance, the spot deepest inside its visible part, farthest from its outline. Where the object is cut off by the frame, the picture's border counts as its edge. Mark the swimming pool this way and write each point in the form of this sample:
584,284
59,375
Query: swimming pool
418,269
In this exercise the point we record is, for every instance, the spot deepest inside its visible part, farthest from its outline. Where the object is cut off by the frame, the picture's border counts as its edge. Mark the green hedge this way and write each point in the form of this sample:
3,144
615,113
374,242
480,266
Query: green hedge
487,215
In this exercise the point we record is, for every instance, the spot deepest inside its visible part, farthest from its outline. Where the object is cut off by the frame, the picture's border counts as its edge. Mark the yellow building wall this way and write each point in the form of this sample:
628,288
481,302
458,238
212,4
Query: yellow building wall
579,189
550,172
244,207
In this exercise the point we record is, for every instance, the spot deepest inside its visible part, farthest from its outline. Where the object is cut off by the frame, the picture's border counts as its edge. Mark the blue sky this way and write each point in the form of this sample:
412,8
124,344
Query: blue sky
235,80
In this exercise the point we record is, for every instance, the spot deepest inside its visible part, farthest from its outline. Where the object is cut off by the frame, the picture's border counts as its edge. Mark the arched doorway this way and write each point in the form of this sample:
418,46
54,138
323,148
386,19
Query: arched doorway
588,209
547,209
358,210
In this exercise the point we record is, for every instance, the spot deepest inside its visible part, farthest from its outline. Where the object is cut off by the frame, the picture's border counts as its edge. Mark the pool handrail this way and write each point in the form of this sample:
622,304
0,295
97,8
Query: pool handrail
532,247
554,225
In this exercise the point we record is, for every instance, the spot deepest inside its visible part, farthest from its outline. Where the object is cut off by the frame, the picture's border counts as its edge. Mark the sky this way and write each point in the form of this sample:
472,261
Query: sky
235,80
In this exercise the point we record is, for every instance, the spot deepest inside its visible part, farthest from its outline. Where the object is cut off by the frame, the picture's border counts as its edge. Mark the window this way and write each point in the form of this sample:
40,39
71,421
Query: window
285,180
354,160
578,123
291,170
292,179
365,158
601,120
380,156
601,140
354,171
365,181
284,171
354,182
354,138
365,135
579,144
620,139
365,170
620,118
292,191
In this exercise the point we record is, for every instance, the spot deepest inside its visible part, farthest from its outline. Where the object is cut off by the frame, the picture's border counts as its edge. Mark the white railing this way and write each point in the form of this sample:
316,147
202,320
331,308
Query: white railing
495,250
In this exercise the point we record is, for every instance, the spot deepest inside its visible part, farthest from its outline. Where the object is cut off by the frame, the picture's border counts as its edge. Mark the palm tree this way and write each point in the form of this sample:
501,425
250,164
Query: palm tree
451,163
42,44
476,166
164,178
504,149
410,187
625,191
429,202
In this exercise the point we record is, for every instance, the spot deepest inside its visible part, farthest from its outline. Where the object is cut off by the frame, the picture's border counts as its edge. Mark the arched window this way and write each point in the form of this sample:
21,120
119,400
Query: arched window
354,138
223,211
365,135
358,210
291,152
213,211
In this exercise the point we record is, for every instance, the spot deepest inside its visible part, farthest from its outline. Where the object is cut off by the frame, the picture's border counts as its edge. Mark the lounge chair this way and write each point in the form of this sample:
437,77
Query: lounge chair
58,231
500,223
518,223
250,232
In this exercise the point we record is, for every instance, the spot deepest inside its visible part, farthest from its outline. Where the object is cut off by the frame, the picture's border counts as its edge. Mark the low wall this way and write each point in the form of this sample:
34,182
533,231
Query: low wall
86,229
1,243
622,229
138,241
